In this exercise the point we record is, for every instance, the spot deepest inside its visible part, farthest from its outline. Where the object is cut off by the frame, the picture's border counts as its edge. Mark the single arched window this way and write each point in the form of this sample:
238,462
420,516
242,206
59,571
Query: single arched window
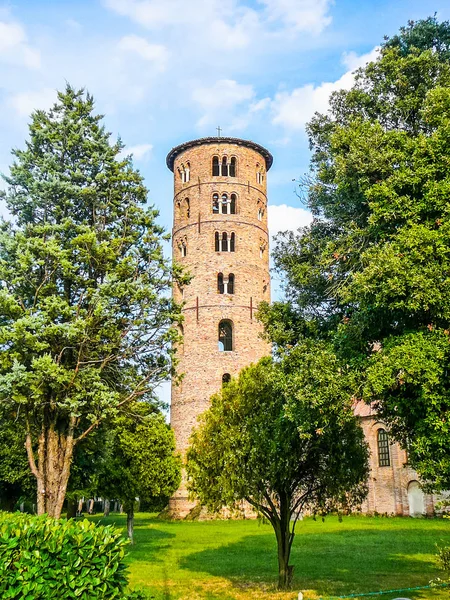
220,284
233,167
188,208
258,174
225,336
215,166
183,249
215,204
224,167
232,242
187,173
233,204
260,214
217,241
226,378
230,284
224,242
384,459
224,204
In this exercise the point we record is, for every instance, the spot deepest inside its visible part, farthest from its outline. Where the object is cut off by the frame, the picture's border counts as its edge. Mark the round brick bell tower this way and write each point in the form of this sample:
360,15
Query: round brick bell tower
220,236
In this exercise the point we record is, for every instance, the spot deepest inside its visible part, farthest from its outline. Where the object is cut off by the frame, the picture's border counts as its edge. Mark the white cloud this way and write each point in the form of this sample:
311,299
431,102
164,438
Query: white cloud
301,15
139,152
156,53
294,109
24,103
221,100
14,48
287,218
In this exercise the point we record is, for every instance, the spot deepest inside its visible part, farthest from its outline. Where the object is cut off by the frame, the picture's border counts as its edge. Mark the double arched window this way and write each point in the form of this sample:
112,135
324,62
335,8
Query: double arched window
384,458
259,173
224,167
185,172
225,285
225,336
224,242
226,205
182,246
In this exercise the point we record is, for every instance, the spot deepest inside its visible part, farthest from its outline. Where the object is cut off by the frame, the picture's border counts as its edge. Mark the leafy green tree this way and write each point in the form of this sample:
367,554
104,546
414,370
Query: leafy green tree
371,273
85,312
141,460
16,481
282,437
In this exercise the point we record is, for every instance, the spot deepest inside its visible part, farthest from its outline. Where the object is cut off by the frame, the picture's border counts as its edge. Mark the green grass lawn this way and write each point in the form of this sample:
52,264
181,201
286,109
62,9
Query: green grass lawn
236,560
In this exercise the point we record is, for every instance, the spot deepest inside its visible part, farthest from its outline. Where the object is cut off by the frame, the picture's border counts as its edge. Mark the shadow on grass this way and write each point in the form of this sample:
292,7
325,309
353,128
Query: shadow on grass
336,563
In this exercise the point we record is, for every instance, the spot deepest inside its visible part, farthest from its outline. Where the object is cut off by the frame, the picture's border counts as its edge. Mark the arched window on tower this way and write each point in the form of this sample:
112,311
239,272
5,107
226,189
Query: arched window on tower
232,236
233,204
225,336
258,174
217,241
230,284
226,378
224,204
187,173
384,458
215,166
233,167
220,284
215,204
224,242
188,208
224,167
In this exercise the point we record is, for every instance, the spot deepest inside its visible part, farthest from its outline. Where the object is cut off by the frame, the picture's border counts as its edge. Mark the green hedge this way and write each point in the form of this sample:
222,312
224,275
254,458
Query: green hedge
42,558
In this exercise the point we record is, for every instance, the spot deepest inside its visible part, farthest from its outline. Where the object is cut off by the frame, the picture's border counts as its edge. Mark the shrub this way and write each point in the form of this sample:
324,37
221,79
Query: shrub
42,558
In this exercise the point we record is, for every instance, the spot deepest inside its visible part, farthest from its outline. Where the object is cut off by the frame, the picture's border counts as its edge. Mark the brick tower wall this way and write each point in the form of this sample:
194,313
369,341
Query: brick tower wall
195,224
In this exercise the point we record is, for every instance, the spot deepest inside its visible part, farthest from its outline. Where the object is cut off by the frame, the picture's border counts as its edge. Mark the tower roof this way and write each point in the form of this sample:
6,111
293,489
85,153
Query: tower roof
217,140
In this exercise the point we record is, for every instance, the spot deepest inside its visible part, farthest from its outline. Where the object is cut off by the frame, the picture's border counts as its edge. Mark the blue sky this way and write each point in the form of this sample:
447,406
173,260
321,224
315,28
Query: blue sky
167,71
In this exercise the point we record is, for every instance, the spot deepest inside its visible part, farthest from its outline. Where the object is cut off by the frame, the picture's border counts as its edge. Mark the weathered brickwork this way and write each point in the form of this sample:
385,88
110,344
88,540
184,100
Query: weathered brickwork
393,488
196,222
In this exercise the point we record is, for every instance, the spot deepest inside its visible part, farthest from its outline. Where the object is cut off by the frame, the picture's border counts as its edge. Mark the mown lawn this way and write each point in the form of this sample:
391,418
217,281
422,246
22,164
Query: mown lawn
236,560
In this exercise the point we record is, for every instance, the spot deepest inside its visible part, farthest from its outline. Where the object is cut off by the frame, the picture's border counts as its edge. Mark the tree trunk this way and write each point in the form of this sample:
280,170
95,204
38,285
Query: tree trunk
106,508
52,470
71,508
284,543
130,521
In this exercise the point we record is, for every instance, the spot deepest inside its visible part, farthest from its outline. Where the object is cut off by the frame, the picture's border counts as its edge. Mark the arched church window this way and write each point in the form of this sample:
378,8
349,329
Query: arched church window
215,204
233,167
232,238
233,204
217,242
188,208
224,242
187,173
384,459
224,167
215,166
225,336
226,378
230,284
224,204
220,284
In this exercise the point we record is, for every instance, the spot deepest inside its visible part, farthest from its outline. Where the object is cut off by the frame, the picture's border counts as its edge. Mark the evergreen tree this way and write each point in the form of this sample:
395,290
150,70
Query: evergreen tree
85,309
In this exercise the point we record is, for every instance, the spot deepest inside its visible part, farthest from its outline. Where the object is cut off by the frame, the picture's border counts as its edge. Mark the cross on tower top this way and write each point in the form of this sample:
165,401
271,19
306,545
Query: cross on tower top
218,131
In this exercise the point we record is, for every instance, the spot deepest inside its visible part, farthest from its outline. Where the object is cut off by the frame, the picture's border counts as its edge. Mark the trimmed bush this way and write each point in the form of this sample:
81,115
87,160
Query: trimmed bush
43,559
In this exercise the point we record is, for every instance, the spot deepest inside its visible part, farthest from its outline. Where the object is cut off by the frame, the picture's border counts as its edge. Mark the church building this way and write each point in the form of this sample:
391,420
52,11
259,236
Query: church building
220,235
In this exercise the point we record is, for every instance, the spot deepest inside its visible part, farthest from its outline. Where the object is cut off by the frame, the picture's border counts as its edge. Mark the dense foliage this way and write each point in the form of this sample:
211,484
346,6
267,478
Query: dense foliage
282,437
46,559
85,312
140,459
372,272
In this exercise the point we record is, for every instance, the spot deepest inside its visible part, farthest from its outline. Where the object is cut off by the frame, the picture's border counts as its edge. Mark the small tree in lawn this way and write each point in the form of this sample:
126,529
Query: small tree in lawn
85,312
141,460
282,437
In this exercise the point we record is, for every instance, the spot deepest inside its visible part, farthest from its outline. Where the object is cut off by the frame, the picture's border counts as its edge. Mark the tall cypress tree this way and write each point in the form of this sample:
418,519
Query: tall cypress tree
85,312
